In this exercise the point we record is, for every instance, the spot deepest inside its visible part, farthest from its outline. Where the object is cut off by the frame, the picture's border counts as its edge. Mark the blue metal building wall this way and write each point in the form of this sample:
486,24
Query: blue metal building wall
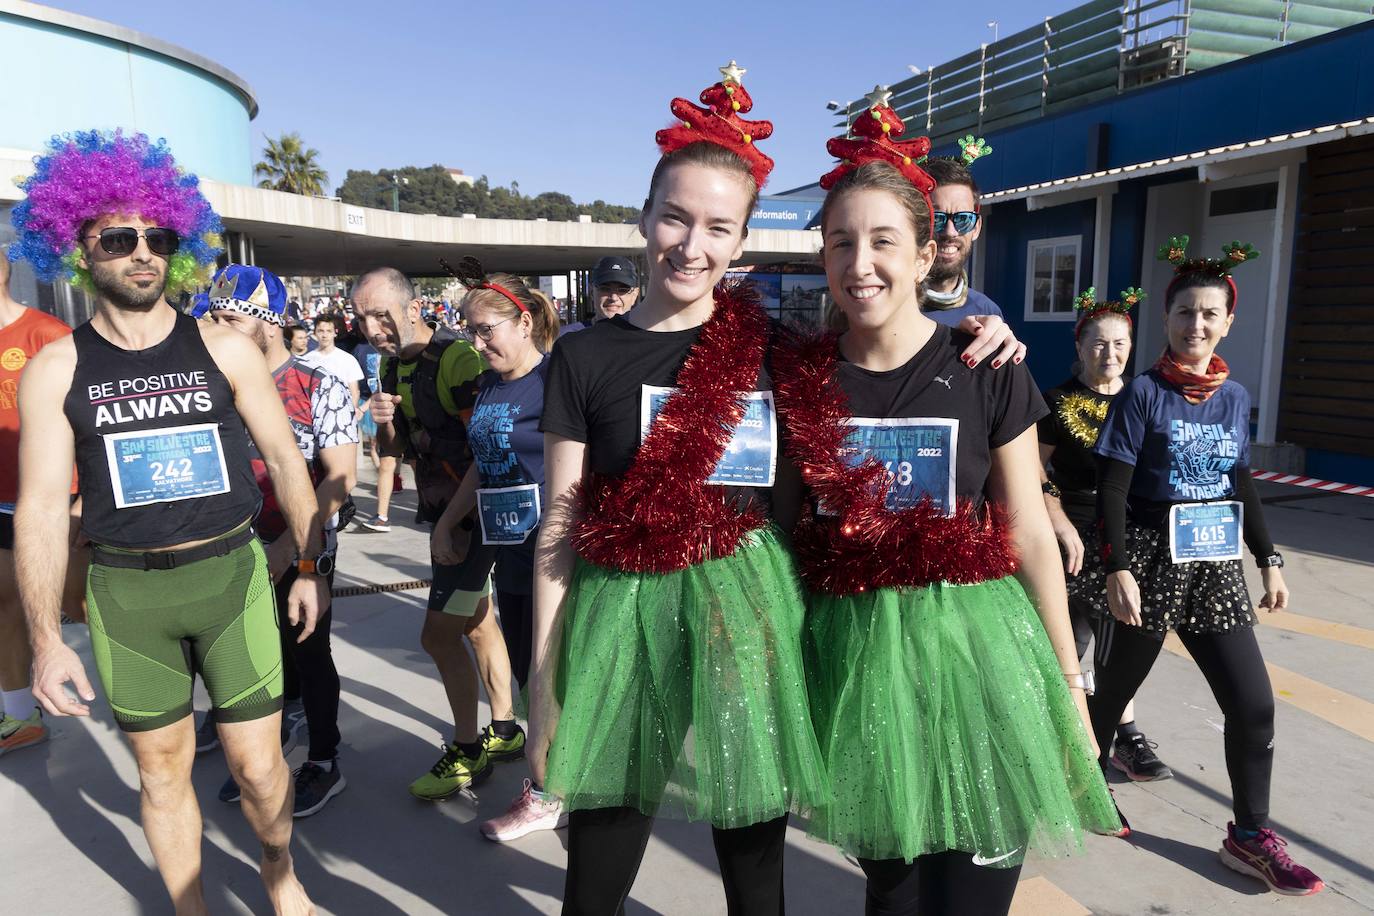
1009,228
1321,81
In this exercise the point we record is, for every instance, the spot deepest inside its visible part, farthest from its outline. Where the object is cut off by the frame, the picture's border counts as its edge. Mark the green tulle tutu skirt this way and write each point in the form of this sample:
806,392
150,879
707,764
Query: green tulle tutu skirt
685,691
946,724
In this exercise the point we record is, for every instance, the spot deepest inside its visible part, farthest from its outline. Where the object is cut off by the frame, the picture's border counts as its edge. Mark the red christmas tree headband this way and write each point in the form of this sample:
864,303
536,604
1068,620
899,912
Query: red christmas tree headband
876,129
720,123
1175,251
1089,308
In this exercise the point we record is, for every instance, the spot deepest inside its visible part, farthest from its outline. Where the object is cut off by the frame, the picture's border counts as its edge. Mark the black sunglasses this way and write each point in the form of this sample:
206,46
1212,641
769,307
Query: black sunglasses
122,240
964,221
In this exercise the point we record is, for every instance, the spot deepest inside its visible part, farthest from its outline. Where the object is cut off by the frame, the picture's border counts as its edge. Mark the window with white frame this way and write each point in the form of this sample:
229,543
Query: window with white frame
1052,277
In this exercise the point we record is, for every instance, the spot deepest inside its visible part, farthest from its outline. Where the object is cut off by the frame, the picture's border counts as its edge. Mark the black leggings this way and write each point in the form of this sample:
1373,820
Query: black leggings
308,673
517,627
605,846
1235,671
935,884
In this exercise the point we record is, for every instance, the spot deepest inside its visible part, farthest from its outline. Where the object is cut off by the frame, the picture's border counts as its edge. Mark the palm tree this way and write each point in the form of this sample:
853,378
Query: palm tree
288,166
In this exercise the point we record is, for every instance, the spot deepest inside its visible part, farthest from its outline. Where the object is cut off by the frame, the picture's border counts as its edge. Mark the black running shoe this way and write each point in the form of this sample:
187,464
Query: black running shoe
1137,759
207,736
315,786
229,792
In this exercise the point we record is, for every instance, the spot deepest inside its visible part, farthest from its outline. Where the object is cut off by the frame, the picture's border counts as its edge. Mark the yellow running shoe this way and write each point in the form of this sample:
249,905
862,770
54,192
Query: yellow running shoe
17,733
500,749
453,773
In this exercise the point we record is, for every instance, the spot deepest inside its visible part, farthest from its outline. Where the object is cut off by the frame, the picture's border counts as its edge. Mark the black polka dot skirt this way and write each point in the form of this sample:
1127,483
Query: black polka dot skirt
1197,597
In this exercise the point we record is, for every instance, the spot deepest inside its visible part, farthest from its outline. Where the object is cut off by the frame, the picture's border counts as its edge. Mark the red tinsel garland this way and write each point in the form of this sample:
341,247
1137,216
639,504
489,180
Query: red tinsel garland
867,545
662,516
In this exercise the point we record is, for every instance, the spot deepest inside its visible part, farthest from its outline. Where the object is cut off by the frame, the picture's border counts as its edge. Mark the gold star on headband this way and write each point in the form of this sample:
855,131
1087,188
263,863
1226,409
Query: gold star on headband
733,73
879,97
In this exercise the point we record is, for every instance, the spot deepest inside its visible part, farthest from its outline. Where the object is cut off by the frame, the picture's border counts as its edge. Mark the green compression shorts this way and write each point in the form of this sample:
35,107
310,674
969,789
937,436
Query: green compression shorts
150,629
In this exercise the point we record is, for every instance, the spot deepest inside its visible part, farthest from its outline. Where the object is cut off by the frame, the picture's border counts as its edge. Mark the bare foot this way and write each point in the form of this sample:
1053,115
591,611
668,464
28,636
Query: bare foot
283,889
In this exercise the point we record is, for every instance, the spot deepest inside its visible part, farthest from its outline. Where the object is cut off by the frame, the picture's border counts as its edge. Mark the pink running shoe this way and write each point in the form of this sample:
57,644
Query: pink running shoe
1264,857
530,812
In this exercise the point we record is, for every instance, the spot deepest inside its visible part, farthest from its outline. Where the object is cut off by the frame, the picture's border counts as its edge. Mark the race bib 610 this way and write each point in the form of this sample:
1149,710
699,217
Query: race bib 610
508,514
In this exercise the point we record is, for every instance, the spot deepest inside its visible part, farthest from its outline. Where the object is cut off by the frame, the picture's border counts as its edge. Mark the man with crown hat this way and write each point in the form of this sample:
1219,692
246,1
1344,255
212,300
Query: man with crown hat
155,408
252,301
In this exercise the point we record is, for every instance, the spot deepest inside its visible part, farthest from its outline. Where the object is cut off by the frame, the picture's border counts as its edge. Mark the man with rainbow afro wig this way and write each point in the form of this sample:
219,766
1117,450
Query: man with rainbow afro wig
151,405
91,172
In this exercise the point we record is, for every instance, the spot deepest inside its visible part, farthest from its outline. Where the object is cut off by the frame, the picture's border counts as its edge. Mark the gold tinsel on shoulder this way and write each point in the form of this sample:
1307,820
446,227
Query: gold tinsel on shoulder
1082,415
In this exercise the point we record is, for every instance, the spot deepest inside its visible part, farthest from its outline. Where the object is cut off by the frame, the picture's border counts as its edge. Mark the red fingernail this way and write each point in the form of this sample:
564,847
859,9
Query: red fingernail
997,364
1017,360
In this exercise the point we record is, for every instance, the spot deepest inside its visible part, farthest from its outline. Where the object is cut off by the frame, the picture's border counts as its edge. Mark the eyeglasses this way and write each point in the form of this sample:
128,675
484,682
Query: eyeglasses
613,292
122,240
484,331
964,221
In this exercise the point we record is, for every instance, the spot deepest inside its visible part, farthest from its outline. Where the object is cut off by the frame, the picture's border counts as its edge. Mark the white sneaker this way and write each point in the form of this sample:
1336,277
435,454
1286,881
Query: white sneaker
530,812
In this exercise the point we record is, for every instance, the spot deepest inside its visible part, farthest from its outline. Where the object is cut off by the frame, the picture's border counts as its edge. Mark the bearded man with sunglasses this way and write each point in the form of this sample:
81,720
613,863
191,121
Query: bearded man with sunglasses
152,407
958,222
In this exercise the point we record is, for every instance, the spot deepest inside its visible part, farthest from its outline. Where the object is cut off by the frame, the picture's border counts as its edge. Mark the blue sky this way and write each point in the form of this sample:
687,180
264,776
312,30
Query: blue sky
557,96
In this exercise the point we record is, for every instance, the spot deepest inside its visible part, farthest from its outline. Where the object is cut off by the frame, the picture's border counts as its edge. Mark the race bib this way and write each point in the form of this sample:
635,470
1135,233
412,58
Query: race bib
166,465
1205,531
508,514
751,457
919,454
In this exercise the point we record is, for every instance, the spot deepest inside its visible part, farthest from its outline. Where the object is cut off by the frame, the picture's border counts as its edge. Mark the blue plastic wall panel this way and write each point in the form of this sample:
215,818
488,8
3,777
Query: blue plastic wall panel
1260,96
62,80
1340,467
1003,246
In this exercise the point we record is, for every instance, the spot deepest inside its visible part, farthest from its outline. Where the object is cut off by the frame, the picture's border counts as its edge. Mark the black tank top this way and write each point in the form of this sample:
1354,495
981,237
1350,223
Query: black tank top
161,450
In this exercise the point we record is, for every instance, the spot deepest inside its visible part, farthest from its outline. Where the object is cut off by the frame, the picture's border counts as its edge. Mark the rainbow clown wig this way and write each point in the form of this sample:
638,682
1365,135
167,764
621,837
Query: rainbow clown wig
88,174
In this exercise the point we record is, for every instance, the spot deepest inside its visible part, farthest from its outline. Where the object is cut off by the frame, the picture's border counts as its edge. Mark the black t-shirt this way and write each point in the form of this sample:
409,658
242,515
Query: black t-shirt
599,391
934,422
1075,419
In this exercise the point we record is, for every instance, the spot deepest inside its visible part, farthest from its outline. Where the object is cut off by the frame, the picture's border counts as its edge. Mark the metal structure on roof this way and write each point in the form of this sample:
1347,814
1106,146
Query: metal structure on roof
1100,49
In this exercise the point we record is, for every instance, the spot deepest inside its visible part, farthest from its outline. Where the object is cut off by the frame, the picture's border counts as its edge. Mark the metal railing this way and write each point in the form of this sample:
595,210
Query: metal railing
1098,50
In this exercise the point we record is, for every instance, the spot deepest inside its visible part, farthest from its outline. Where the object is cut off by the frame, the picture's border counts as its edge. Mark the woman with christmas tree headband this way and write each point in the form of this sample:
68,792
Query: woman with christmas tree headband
1175,500
665,603
1102,338
949,705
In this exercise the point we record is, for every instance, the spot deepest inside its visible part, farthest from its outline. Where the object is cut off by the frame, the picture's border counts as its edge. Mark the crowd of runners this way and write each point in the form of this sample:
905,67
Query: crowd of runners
720,568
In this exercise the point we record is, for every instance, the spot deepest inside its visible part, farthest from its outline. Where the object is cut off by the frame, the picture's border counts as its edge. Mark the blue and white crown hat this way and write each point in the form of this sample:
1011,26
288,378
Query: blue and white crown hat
250,290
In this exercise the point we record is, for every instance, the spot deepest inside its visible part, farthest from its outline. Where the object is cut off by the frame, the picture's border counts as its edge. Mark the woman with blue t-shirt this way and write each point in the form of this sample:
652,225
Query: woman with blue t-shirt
513,327
1175,500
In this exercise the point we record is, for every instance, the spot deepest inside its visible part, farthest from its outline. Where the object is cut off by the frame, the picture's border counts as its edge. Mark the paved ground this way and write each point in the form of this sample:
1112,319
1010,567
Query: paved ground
70,807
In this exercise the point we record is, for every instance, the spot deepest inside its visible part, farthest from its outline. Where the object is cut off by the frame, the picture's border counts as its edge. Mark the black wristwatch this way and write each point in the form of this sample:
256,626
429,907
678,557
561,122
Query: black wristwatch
1274,559
322,565
1049,489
